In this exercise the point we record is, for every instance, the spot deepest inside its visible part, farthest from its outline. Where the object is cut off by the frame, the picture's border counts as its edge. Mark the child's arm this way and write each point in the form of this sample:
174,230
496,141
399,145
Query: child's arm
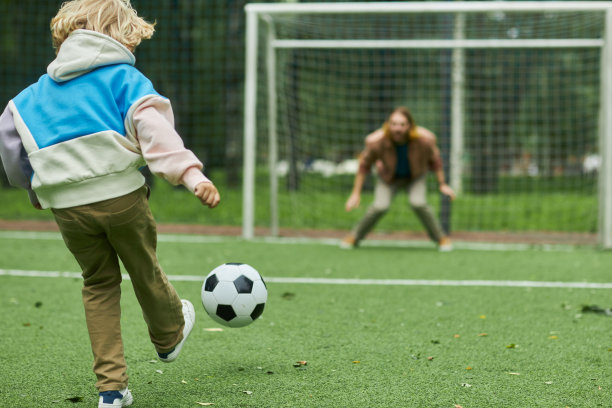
165,153
14,157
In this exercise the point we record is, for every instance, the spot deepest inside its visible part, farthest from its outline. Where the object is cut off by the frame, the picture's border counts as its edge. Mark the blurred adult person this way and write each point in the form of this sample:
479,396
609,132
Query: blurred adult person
403,153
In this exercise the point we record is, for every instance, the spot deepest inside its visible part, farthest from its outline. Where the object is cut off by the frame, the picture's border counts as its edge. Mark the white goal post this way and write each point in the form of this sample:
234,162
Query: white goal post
263,44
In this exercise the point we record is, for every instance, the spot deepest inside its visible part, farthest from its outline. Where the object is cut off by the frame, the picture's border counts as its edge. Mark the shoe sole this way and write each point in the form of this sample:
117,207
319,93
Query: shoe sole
129,400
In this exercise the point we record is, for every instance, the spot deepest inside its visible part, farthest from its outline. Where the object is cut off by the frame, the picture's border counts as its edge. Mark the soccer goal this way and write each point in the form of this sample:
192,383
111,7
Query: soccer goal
519,95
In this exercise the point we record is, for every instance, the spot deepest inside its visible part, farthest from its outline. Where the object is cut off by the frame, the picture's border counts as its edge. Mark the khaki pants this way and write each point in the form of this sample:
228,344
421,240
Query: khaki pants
99,235
383,195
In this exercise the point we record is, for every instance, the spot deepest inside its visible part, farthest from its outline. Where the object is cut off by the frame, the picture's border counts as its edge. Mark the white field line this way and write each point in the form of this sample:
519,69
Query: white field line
203,239
332,281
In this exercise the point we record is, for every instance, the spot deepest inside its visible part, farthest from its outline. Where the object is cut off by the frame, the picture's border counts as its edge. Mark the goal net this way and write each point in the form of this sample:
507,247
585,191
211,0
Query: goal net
517,94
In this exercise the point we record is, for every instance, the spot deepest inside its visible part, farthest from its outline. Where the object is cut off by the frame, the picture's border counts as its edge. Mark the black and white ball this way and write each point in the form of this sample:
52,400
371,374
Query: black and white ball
234,294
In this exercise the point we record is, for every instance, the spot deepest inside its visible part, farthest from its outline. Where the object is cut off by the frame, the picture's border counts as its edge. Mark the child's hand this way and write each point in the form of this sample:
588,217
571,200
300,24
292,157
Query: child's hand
208,194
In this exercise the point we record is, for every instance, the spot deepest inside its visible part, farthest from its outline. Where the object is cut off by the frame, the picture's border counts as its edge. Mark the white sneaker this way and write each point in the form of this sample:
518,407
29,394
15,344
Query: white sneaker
445,244
189,315
348,242
115,399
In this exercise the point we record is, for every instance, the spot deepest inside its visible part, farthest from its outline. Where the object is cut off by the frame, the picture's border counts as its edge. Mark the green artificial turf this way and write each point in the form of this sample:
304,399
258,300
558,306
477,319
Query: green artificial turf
365,345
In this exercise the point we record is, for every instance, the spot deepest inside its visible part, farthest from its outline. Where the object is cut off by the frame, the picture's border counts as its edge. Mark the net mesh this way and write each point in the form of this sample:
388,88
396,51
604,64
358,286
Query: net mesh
528,160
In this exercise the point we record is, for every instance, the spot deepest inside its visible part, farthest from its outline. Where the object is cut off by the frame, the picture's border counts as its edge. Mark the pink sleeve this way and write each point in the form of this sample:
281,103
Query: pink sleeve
162,147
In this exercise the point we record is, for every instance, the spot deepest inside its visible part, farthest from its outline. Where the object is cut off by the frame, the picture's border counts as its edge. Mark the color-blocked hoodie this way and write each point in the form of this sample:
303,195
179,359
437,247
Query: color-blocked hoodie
80,134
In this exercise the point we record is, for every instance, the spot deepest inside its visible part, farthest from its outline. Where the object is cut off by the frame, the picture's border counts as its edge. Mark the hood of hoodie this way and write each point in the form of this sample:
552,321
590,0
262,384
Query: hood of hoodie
84,51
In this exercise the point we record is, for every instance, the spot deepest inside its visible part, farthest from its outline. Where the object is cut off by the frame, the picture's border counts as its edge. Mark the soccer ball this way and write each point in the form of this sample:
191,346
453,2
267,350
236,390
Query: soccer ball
234,294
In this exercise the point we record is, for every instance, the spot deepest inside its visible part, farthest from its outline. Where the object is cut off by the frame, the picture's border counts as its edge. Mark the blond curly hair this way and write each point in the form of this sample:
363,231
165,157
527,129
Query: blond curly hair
115,18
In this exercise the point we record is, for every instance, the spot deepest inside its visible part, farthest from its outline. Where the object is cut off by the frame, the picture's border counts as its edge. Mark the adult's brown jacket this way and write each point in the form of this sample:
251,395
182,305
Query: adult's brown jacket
423,154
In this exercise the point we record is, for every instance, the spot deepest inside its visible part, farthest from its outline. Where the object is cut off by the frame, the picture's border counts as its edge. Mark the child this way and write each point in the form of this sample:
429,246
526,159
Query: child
76,140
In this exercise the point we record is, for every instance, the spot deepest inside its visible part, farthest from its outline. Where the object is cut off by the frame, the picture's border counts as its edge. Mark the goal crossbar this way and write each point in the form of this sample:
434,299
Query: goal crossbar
425,7
438,44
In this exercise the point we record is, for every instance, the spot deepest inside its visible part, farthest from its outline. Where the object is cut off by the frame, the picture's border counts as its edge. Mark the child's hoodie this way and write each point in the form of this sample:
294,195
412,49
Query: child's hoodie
80,134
